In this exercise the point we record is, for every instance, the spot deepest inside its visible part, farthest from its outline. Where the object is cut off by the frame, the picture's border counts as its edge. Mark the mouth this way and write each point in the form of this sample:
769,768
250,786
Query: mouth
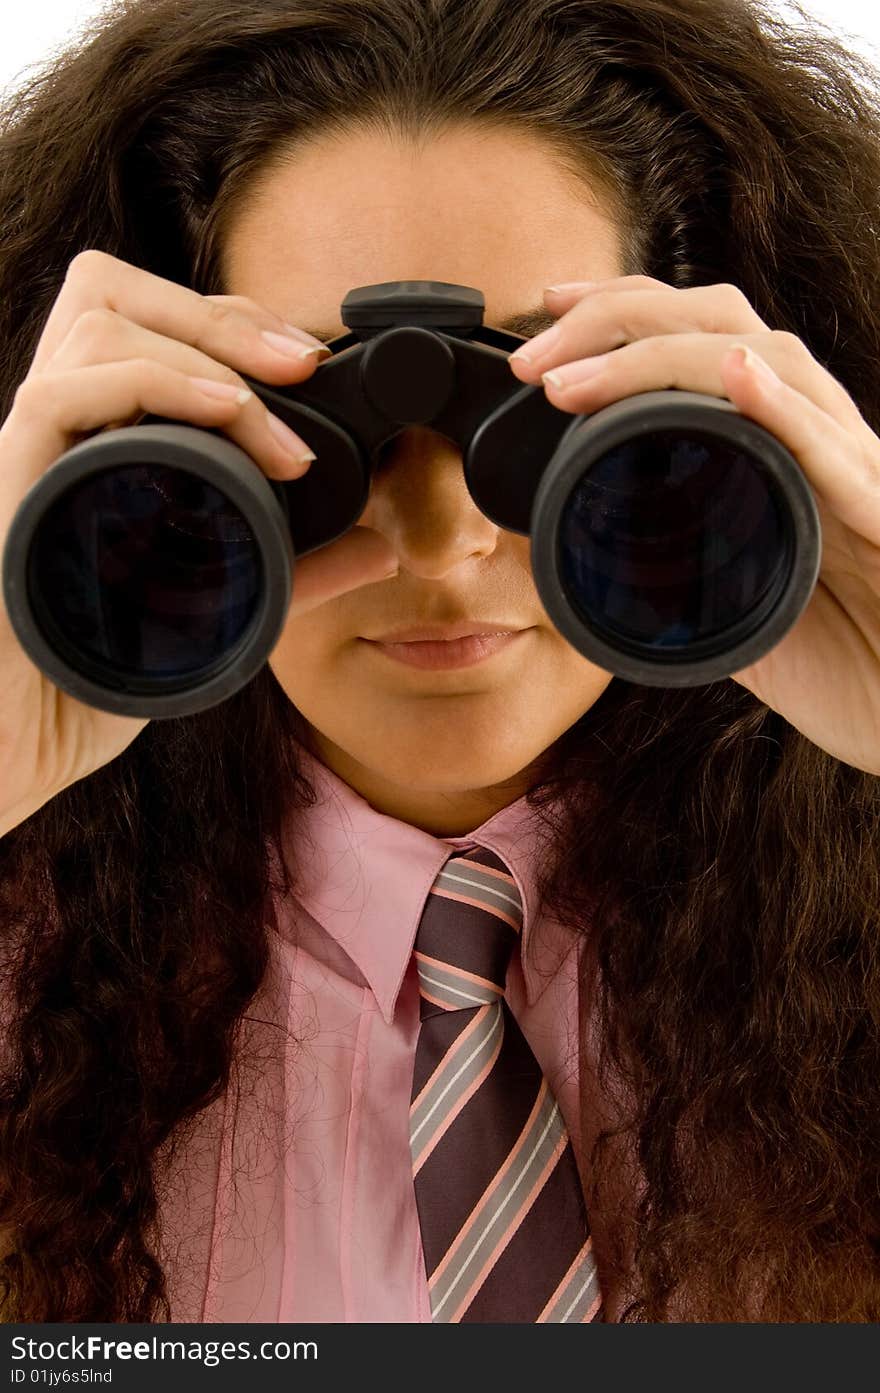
440,632
464,650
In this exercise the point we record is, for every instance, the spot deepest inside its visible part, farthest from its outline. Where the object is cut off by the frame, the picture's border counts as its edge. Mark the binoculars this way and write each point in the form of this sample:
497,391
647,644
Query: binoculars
673,540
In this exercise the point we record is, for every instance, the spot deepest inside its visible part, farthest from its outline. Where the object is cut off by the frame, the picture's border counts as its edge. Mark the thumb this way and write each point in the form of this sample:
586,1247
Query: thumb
360,557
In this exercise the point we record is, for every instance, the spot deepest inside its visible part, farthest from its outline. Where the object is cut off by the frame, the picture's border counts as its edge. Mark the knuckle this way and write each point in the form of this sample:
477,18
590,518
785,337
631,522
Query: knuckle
147,374
28,393
255,311
219,311
235,302
88,264
732,297
654,350
21,397
589,308
148,370
94,326
790,343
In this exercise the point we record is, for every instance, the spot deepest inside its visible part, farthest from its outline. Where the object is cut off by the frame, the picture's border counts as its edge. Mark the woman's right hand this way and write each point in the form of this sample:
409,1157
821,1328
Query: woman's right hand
120,343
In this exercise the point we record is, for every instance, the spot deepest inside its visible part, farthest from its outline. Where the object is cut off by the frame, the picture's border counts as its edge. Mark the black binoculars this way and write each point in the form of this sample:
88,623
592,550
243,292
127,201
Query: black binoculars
673,540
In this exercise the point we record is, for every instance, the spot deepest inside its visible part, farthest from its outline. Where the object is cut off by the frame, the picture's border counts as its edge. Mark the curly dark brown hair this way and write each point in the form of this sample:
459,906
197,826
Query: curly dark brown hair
731,884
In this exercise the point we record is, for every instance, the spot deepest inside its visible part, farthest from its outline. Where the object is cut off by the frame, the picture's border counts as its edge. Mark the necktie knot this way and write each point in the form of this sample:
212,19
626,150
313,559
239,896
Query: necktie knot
469,928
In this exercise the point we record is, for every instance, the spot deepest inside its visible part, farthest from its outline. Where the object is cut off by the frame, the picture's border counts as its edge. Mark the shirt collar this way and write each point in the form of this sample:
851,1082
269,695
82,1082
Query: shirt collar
365,876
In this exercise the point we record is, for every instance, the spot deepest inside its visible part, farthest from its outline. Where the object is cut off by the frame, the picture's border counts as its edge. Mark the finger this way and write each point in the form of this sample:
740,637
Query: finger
838,465
217,325
104,336
48,410
692,363
361,557
561,297
606,319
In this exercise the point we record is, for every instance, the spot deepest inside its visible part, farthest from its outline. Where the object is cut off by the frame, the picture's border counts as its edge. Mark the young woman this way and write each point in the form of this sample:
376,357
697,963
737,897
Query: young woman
208,922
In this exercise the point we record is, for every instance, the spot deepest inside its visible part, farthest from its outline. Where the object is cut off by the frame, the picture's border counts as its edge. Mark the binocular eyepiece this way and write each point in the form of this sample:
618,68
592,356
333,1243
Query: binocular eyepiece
673,540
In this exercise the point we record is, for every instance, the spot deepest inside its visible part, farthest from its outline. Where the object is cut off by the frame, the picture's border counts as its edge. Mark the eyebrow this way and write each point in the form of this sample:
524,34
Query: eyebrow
526,325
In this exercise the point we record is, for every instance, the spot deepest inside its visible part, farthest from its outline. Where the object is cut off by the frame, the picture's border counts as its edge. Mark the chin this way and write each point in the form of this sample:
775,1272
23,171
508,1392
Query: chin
432,771
430,750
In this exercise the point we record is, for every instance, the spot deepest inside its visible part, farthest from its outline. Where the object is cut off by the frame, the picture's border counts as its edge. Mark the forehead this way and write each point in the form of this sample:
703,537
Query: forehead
492,209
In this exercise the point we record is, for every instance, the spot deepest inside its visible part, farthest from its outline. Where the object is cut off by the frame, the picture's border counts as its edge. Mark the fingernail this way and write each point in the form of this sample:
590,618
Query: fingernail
578,372
538,346
289,441
304,337
290,347
752,363
223,391
565,286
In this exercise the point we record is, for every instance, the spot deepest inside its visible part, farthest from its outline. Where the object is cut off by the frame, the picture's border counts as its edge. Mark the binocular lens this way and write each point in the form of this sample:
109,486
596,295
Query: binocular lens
670,540
146,572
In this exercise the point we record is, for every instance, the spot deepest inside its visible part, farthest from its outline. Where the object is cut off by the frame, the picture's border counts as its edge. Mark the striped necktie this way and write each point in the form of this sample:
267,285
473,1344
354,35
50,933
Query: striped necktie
504,1226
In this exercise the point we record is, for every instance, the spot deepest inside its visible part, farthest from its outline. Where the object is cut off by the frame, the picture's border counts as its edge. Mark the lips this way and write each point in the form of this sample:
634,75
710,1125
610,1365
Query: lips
434,654
445,633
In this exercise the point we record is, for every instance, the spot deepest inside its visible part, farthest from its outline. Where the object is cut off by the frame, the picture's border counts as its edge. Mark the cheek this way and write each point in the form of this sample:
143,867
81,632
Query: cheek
567,685
305,654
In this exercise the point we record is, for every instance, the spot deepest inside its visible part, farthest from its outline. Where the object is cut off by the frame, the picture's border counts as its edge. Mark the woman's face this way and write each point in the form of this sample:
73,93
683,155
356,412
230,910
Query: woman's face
493,209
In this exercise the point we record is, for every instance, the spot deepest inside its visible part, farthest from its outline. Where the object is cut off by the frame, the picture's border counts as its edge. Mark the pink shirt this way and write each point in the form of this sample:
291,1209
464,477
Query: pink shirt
293,1199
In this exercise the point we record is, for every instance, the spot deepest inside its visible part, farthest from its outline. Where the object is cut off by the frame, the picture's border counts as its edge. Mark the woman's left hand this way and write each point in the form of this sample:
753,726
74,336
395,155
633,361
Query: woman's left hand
824,675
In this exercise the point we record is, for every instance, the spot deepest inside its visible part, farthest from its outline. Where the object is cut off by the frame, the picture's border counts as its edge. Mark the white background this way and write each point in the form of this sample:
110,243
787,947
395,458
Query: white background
30,37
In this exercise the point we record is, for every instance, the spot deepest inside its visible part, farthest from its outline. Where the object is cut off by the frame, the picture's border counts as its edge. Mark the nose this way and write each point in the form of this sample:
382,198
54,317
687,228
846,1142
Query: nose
420,502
